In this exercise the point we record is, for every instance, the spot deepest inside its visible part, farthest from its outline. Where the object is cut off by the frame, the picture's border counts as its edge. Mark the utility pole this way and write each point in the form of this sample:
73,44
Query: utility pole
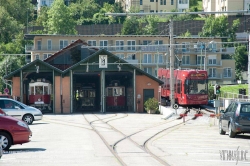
172,98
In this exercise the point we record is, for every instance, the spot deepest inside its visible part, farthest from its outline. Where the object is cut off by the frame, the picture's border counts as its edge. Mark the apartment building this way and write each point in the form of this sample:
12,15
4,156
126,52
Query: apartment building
148,52
155,6
226,5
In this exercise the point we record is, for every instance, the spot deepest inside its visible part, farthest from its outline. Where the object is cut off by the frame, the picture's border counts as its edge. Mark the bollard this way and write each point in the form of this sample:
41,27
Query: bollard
183,115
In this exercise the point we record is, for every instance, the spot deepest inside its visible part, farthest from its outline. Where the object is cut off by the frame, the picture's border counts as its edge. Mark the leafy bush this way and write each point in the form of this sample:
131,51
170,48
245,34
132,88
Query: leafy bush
151,105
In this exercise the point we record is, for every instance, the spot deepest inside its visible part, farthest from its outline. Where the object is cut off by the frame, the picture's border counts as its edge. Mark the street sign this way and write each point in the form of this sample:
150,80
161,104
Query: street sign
6,90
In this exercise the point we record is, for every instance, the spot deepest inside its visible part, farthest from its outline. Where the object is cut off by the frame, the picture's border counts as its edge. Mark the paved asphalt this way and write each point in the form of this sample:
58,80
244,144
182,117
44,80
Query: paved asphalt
69,140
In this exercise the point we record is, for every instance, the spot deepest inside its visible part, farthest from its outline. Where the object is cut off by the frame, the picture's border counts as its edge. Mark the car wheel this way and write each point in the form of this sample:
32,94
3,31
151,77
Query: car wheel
5,140
28,119
221,131
231,134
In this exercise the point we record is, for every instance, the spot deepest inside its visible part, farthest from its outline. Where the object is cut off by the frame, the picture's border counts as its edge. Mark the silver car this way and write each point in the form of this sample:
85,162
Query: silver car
20,111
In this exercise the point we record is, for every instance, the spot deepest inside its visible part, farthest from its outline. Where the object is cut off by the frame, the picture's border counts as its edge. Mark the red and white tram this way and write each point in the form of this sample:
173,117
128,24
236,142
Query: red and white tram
115,97
40,94
190,86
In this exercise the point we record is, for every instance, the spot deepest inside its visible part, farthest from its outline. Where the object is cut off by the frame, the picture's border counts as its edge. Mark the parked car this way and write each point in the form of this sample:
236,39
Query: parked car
235,119
19,110
5,96
13,131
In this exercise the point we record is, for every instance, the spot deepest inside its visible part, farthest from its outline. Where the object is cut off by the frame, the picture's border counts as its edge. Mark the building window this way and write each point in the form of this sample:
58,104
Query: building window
212,47
49,44
104,44
45,56
131,45
172,2
248,6
151,0
163,2
185,46
212,72
152,11
212,60
147,58
63,43
121,56
119,45
39,45
185,59
147,42
183,1
200,59
141,2
158,58
44,3
148,70
227,72
141,11
92,42
37,56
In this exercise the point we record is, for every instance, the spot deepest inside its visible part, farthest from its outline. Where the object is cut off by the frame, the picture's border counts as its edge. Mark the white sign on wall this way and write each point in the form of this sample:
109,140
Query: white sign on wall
103,61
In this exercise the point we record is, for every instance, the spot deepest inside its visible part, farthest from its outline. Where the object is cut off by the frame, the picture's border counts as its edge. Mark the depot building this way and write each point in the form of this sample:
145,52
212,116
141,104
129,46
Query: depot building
81,78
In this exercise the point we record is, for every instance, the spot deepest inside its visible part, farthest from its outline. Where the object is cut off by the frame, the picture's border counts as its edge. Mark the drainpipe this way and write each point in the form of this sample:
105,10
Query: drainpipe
61,94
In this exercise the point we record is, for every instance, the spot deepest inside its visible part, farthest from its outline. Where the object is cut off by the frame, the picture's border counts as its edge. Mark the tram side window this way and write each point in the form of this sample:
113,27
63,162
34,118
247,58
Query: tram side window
178,86
45,90
32,90
116,92
110,92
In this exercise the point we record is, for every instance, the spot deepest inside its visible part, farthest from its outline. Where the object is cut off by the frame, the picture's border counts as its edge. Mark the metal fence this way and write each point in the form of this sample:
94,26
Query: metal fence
227,98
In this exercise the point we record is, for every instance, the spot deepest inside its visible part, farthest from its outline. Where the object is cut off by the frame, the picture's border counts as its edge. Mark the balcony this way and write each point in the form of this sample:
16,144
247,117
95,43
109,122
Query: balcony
215,76
228,50
42,48
125,48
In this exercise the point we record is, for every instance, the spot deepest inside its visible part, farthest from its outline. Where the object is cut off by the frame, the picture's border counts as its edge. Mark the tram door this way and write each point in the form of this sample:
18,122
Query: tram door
147,93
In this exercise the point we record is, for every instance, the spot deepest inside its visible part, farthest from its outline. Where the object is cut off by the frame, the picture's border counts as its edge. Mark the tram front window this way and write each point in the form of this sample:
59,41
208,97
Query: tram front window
196,87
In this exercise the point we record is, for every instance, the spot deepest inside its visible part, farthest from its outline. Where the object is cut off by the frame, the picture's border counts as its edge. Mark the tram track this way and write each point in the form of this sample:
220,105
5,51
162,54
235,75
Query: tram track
143,146
101,125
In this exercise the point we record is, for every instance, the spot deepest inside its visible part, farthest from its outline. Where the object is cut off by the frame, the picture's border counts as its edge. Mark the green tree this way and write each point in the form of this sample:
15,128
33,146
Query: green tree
60,20
193,3
83,11
151,25
19,10
241,60
43,16
186,34
101,18
9,27
219,26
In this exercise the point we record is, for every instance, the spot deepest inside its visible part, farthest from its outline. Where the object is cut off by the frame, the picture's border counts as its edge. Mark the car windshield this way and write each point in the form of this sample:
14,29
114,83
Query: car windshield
196,86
